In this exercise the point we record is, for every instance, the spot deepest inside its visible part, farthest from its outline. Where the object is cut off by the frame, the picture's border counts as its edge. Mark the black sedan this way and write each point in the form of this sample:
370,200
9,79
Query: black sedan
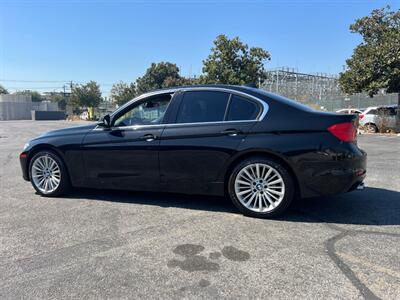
259,148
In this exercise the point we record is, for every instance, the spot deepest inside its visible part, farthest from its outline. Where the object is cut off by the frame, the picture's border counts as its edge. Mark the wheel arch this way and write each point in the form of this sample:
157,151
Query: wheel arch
374,124
263,153
44,147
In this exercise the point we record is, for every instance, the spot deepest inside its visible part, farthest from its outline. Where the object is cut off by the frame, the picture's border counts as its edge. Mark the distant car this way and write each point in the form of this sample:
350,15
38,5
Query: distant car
259,148
349,111
376,118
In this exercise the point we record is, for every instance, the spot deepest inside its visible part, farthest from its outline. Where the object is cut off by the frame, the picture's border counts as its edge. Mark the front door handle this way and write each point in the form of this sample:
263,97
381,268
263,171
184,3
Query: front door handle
148,137
231,132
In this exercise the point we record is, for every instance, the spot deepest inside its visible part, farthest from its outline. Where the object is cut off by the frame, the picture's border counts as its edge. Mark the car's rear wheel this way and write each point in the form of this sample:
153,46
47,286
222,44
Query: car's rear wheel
48,174
261,187
371,128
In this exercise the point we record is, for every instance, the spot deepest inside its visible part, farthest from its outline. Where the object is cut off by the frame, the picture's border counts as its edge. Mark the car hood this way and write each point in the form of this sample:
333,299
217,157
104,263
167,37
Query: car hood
69,131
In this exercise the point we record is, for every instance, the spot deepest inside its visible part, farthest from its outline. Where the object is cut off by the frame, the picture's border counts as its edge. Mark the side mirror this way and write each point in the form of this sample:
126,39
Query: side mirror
106,121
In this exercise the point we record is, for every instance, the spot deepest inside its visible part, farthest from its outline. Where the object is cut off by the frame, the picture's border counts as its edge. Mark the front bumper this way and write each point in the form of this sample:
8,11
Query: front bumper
23,160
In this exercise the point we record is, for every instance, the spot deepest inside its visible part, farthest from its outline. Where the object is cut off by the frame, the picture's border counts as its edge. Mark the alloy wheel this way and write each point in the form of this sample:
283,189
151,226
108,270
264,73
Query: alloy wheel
46,174
259,187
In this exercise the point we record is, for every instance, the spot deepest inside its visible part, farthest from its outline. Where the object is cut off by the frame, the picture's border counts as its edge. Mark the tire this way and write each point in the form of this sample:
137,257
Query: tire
46,166
371,128
278,180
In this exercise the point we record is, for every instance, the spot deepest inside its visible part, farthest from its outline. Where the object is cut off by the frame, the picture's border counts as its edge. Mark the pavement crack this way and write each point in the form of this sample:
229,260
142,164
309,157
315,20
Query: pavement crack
343,267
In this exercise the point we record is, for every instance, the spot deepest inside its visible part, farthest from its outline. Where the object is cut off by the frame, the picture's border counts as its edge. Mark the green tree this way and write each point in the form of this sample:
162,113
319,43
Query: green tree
59,98
157,76
122,92
375,63
86,95
36,97
3,90
232,62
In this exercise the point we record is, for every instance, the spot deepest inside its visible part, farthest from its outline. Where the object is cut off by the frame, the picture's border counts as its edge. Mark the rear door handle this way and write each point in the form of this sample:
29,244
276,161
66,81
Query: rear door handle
148,137
231,132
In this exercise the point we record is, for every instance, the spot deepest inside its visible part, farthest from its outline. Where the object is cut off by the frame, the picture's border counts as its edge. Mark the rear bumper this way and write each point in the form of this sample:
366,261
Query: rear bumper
335,176
23,160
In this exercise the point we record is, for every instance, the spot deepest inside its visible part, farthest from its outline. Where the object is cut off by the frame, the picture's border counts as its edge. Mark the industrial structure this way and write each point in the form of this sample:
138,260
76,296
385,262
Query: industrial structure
319,90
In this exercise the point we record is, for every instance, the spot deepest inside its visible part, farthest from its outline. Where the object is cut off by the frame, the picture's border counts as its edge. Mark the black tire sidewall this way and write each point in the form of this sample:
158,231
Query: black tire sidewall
287,179
372,128
64,183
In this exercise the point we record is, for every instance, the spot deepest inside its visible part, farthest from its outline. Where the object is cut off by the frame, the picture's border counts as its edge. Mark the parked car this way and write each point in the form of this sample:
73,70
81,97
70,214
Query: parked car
349,111
259,148
378,118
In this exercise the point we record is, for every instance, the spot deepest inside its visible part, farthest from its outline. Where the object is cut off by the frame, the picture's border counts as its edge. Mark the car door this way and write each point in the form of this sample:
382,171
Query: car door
203,135
125,156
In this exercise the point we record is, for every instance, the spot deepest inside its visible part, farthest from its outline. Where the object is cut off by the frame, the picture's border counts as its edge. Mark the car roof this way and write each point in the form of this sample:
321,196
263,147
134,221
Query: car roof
241,88
260,94
344,109
257,92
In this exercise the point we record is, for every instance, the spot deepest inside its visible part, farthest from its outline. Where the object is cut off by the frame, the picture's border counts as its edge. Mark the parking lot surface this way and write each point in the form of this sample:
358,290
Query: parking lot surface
108,244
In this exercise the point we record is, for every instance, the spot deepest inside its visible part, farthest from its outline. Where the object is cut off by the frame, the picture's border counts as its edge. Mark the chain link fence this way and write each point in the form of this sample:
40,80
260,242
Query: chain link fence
319,90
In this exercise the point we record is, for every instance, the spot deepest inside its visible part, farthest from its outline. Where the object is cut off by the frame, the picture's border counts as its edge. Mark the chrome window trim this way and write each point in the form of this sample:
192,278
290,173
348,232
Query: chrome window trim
264,105
260,117
141,97
170,100
136,127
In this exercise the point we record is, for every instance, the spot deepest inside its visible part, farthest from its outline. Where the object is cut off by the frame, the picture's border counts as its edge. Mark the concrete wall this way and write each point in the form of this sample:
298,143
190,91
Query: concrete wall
15,107
45,106
19,107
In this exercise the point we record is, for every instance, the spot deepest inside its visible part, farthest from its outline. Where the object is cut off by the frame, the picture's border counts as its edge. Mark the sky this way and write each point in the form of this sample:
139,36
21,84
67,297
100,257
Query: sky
44,44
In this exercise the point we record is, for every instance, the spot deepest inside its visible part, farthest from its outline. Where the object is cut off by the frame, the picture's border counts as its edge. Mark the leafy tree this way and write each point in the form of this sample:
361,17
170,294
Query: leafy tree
157,76
60,98
36,97
122,92
233,62
375,63
86,95
3,90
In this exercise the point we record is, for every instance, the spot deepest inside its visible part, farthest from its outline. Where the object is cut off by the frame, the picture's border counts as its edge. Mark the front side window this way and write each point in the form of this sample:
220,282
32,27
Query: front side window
242,109
149,112
202,106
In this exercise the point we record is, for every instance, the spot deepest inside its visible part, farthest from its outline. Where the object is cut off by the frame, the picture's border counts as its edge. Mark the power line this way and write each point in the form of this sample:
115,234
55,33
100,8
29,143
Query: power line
33,88
49,81
33,81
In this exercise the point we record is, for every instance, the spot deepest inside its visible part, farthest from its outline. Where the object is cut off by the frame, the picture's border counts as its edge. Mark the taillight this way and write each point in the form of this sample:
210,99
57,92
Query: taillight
361,116
346,132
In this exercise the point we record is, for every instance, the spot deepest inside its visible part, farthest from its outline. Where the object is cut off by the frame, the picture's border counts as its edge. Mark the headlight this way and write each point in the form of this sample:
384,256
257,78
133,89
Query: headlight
26,146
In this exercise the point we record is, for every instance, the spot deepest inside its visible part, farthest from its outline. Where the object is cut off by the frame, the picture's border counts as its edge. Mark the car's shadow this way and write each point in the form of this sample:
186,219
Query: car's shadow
372,206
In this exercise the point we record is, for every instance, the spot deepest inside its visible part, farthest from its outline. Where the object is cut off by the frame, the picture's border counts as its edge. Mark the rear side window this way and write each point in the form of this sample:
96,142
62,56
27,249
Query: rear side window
372,112
242,109
202,106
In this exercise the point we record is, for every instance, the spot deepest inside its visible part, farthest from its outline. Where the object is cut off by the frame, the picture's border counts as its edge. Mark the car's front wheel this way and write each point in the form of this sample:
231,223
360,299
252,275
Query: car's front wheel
48,174
261,187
